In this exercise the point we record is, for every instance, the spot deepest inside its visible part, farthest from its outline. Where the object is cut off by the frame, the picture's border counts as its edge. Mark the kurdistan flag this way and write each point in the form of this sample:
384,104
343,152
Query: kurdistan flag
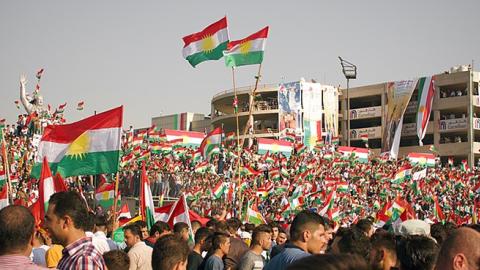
426,92
212,141
247,51
89,146
105,195
46,188
253,216
207,44
147,207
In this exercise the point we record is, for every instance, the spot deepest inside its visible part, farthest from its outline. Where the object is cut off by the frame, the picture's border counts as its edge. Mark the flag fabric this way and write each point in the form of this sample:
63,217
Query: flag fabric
210,142
180,213
124,212
402,174
328,204
364,138
105,195
46,187
342,187
419,175
3,197
89,146
207,44
247,51
424,159
361,154
426,92
147,206
80,105
188,138
437,210
274,146
3,178
253,216
219,190
450,161
464,165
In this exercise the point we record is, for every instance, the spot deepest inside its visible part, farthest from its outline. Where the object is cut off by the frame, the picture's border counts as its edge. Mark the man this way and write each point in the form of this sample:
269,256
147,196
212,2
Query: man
17,227
307,235
170,253
143,225
182,230
366,226
261,241
101,233
238,248
66,220
158,230
220,248
383,254
139,253
417,252
281,240
195,257
354,241
461,250
100,243
116,260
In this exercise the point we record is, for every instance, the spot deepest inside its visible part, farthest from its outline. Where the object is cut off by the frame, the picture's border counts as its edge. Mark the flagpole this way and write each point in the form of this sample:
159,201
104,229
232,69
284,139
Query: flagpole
116,197
239,196
7,170
252,95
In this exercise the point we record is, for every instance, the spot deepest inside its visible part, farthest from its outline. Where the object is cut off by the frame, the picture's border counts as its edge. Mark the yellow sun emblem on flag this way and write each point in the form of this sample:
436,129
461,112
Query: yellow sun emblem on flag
208,44
245,47
275,147
79,147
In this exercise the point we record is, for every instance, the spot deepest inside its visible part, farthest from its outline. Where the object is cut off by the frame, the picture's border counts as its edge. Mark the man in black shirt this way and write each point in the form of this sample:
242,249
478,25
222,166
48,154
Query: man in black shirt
195,257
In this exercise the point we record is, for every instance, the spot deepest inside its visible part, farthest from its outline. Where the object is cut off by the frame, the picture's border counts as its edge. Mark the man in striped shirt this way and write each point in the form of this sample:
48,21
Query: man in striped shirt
66,220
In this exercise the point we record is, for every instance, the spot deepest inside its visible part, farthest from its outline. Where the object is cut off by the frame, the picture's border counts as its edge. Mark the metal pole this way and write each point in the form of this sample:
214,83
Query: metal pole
348,112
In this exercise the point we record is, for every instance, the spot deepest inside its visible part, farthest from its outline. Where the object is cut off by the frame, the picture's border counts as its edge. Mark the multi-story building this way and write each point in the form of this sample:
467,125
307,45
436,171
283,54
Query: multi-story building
454,128
183,121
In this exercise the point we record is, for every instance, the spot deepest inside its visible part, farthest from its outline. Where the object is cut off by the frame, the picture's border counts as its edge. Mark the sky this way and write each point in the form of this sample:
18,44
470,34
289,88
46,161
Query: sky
111,53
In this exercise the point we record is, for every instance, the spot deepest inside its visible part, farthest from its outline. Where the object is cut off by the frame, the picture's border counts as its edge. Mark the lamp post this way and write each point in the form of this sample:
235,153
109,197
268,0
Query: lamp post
350,72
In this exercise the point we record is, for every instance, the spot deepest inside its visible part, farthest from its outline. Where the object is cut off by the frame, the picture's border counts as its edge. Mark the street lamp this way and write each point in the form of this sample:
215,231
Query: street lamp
350,72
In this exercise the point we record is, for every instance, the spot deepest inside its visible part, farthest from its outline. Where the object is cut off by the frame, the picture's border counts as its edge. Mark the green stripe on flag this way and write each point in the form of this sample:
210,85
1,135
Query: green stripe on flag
240,59
87,164
214,54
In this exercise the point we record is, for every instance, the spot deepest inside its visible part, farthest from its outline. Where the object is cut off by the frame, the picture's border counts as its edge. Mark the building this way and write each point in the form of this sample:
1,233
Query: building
454,128
183,121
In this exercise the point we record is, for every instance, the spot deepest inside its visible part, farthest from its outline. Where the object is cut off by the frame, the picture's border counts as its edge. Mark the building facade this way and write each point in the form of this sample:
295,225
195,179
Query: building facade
453,129
183,121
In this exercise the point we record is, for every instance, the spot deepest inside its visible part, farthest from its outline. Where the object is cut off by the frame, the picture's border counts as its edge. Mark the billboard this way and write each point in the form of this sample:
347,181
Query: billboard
289,108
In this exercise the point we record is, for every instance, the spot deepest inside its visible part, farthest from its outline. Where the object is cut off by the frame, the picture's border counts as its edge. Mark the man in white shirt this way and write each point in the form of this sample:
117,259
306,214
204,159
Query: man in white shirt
140,254
101,233
99,243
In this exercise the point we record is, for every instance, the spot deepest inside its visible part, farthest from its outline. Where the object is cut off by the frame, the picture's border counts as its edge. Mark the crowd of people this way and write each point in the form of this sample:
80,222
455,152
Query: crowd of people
307,202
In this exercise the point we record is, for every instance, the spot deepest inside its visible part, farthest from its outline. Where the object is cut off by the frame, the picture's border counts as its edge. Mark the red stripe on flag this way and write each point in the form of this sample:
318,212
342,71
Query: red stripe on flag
182,133
208,31
272,141
67,133
428,105
319,130
260,34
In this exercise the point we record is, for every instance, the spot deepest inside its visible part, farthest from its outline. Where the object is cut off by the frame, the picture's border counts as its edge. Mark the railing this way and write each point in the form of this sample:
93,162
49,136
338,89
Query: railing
245,88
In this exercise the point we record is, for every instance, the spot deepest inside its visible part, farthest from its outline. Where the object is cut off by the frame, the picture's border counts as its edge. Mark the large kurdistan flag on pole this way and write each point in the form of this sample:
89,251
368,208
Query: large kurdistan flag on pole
247,51
426,92
89,146
207,44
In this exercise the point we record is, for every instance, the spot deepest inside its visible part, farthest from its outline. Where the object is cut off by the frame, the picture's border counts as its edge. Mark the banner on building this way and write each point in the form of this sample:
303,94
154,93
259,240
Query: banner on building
312,113
289,108
330,109
398,96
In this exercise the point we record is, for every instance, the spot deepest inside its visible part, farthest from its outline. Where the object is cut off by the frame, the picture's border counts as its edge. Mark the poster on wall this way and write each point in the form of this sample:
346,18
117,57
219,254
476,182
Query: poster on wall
398,96
289,108
312,113
330,109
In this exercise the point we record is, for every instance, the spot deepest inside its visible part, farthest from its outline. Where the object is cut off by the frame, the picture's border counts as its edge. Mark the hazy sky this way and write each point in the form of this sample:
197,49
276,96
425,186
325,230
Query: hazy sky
110,53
